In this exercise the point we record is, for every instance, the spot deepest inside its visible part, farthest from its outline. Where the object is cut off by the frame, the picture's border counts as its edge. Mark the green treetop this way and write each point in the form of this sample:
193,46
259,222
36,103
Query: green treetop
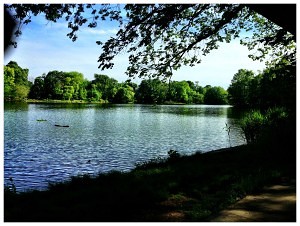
161,38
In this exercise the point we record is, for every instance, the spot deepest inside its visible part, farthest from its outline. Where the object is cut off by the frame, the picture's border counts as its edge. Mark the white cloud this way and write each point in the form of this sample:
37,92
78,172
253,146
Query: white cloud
100,31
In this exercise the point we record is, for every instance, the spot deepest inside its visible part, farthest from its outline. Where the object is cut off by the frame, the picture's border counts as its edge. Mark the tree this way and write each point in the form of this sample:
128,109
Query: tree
9,83
161,38
275,86
21,75
180,91
240,88
53,83
151,91
60,85
269,39
124,95
255,92
83,89
68,92
278,86
21,92
215,95
74,79
106,85
197,98
16,85
37,90
93,94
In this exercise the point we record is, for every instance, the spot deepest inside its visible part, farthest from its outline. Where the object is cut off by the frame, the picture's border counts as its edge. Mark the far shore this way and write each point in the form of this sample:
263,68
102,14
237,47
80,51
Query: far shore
66,101
51,101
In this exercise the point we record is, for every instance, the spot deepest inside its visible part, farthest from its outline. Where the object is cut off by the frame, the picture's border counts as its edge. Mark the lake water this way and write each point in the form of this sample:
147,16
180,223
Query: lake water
101,138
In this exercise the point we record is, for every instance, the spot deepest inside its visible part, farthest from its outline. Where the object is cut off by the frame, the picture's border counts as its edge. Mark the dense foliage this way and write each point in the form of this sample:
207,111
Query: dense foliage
16,84
161,38
58,85
271,96
156,91
275,86
69,86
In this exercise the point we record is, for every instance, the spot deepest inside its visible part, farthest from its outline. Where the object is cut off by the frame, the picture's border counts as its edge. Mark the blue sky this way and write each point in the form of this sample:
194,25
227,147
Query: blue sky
44,47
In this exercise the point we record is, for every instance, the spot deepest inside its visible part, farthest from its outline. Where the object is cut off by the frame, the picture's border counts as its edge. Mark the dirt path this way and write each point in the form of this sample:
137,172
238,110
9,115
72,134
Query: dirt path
276,203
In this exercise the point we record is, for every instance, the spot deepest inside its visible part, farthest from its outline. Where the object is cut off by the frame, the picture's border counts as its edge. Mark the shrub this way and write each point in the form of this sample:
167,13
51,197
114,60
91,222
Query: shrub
280,129
252,125
274,130
275,117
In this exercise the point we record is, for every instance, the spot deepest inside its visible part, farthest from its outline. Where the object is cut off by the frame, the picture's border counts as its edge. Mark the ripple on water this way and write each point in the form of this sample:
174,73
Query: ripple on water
104,139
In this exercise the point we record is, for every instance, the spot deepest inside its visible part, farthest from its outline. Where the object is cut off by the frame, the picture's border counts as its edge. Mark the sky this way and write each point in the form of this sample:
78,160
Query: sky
44,46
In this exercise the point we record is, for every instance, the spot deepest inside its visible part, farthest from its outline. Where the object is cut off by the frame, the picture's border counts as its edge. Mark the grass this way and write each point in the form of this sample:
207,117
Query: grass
180,188
66,101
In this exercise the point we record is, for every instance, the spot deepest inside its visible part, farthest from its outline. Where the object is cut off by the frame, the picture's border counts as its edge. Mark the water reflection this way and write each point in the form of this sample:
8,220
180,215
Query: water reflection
191,110
21,106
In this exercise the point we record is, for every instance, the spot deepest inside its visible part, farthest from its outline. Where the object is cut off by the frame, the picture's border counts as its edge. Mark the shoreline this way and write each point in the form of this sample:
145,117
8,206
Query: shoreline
50,101
32,101
94,102
215,151
194,187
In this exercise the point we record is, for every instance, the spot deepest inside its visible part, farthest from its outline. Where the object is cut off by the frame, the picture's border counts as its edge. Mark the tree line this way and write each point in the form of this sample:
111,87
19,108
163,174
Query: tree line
275,86
58,85
271,96
187,33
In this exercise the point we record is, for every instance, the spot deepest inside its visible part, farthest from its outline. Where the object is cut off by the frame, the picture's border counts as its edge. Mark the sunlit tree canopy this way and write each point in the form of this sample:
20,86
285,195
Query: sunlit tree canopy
161,38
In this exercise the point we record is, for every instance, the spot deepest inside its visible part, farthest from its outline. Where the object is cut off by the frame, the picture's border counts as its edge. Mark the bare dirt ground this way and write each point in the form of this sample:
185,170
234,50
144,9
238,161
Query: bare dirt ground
276,203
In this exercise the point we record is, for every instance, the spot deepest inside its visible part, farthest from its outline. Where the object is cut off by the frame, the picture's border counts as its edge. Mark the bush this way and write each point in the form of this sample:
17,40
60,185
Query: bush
273,130
252,125
280,130
276,116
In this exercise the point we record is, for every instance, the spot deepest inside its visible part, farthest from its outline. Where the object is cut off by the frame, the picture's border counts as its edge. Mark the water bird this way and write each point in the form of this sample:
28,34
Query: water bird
89,161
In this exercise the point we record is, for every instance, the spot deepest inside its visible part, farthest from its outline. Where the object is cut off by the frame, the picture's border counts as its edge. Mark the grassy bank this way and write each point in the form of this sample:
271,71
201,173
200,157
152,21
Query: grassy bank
66,101
180,188
89,102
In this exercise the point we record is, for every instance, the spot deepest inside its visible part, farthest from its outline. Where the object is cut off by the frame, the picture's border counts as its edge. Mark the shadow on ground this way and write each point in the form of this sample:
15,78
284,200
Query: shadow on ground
276,203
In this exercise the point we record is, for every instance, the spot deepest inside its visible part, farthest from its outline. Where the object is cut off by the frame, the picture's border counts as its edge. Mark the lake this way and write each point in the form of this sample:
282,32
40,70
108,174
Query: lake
101,138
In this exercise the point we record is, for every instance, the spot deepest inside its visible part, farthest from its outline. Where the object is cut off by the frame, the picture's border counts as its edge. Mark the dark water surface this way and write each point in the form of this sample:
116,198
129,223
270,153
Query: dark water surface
101,138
